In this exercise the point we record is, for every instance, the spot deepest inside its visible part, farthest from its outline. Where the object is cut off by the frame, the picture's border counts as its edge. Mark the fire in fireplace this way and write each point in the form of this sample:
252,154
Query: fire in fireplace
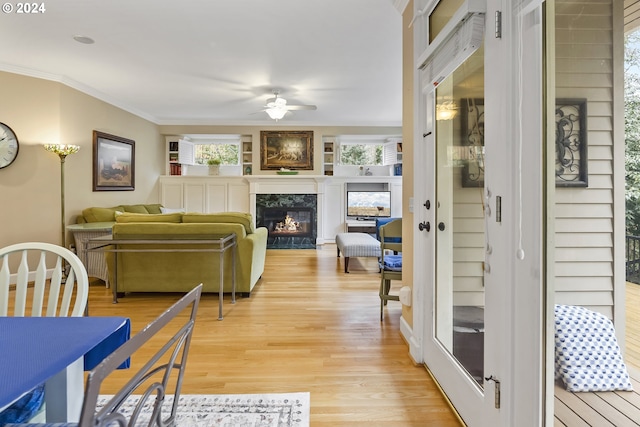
290,219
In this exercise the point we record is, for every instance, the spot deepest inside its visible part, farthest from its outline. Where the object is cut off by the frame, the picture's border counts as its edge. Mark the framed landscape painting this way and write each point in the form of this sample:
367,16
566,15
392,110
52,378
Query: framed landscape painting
286,149
113,162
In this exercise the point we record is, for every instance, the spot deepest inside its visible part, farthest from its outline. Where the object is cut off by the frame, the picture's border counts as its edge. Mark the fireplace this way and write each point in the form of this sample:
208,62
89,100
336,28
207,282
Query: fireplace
289,218
285,222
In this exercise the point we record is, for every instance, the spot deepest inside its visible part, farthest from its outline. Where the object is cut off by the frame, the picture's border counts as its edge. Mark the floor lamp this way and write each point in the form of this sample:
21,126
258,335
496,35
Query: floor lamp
63,151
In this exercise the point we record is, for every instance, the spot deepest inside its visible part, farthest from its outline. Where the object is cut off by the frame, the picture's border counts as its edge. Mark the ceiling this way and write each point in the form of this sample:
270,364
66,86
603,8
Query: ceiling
217,61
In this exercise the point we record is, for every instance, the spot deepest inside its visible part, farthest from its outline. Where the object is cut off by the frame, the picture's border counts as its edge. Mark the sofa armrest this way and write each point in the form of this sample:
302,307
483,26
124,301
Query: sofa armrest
255,244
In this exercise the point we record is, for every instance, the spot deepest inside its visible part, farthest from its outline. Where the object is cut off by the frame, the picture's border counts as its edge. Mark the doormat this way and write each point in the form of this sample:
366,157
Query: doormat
229,410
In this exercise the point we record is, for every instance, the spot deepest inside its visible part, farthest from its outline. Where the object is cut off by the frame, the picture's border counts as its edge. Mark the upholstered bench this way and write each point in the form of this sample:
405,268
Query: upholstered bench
356,245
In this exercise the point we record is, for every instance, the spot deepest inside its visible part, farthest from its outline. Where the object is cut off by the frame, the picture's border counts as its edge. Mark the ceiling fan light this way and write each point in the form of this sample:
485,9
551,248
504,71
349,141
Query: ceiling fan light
276,113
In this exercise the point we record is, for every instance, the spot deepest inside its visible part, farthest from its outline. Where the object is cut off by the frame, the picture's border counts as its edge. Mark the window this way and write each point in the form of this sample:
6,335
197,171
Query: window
364,154
227,151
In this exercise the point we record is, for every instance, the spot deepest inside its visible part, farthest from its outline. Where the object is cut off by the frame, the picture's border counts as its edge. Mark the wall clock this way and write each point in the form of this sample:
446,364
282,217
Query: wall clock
9,146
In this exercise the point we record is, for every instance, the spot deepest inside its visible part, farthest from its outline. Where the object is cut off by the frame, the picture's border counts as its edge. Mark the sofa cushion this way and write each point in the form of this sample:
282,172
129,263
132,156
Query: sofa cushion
126,217
223,217
135,208
101,214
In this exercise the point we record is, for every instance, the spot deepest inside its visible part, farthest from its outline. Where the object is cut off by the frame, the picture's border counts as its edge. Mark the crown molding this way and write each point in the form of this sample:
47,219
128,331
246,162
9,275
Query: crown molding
81,87
400,5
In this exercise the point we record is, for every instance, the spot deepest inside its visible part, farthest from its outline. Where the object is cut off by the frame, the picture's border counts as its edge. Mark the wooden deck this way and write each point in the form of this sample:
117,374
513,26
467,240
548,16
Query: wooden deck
620,408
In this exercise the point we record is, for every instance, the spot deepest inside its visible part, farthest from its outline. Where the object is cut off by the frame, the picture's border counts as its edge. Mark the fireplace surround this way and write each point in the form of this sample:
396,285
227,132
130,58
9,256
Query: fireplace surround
291,220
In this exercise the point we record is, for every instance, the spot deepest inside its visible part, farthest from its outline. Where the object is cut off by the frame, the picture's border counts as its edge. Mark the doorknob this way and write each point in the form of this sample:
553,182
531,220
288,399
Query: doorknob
424,226
441,226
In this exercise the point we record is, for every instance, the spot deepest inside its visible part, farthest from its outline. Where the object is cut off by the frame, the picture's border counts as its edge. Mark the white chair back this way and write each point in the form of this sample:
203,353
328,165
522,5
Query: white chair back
52,295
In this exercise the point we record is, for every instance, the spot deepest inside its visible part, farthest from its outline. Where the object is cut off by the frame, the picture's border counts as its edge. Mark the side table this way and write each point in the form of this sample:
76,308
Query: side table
94,262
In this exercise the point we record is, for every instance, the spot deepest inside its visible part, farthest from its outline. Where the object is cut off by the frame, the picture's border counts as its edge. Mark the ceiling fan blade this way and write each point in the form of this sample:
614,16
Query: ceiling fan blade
301,107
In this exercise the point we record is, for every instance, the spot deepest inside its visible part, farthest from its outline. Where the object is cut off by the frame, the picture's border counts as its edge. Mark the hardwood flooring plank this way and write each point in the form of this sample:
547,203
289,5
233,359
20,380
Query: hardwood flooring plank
610,405
307,326
565,416
577,404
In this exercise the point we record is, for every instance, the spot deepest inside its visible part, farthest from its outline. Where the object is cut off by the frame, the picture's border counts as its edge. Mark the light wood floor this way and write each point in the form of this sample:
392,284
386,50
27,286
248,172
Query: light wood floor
306,327
632,331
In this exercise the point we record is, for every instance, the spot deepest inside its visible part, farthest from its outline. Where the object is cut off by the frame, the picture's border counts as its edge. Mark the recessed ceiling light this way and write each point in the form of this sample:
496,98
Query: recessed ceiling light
84,39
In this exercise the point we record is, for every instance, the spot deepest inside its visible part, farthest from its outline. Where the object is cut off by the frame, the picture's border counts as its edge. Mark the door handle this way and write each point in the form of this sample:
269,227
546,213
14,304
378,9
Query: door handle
424,226
441,226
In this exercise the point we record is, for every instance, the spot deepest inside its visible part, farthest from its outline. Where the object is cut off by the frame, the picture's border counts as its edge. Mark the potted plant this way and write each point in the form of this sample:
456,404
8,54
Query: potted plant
214,166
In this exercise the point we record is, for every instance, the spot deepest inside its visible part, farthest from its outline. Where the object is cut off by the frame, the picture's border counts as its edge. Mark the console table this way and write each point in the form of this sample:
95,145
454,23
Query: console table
361,226
94,262
217,243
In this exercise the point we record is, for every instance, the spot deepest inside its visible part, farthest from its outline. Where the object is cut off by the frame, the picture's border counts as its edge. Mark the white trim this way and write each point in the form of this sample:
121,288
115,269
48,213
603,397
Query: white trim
619,273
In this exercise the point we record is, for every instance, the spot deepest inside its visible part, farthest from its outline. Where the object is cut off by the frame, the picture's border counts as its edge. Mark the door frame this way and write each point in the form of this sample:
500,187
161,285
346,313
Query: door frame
516,339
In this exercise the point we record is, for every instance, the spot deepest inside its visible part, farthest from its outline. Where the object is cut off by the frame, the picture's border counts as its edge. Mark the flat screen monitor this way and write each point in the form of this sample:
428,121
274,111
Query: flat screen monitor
369,204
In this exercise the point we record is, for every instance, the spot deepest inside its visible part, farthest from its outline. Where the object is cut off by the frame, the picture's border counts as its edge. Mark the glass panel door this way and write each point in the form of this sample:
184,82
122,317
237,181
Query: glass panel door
460,209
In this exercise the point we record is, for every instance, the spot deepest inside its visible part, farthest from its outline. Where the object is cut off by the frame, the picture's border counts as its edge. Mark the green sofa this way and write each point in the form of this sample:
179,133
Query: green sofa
181,271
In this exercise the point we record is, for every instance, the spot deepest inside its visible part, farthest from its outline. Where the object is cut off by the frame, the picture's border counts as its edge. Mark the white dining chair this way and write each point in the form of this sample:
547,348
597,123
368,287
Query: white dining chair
58,284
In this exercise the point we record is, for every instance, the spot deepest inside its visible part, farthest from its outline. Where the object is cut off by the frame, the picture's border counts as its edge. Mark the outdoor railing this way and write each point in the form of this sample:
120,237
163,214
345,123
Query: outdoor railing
632,257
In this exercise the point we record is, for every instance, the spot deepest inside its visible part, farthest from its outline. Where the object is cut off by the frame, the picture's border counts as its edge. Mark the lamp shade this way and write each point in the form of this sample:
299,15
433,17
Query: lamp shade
62,150
277,108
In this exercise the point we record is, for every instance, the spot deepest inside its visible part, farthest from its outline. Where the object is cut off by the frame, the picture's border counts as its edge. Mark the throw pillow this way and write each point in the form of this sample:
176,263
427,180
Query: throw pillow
135,209
99,214
587,355
136,217
170,210
153,208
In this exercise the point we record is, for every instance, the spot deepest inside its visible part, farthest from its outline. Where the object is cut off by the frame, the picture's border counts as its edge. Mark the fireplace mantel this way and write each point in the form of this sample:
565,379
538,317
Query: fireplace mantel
286,184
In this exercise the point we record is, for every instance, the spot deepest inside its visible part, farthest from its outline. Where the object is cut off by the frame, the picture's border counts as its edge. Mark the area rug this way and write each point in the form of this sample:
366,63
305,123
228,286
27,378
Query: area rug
231,410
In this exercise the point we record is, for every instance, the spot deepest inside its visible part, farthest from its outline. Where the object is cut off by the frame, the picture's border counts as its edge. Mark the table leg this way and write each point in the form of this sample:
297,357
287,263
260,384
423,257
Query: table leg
64,394
221,291
233,269
114,285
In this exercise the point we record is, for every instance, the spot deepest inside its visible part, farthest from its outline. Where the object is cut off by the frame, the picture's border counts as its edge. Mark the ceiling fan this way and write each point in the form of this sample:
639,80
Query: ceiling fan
277,107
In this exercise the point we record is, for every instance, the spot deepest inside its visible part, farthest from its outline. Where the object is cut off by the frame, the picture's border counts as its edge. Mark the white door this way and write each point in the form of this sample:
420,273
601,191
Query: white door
481,182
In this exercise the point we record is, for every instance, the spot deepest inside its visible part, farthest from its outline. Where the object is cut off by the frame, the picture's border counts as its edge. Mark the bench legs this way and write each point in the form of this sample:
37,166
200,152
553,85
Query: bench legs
346,261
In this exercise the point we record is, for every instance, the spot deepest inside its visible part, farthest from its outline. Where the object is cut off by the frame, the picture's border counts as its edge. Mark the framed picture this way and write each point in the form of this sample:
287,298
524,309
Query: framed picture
113,162
473,142
571,143
286,149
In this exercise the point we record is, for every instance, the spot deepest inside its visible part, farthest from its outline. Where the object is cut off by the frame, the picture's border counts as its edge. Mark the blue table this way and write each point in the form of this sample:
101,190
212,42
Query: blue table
34,350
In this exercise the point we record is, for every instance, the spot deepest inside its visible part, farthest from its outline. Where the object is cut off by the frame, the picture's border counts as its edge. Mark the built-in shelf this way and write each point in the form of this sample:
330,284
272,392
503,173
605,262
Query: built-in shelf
328,155
247,155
